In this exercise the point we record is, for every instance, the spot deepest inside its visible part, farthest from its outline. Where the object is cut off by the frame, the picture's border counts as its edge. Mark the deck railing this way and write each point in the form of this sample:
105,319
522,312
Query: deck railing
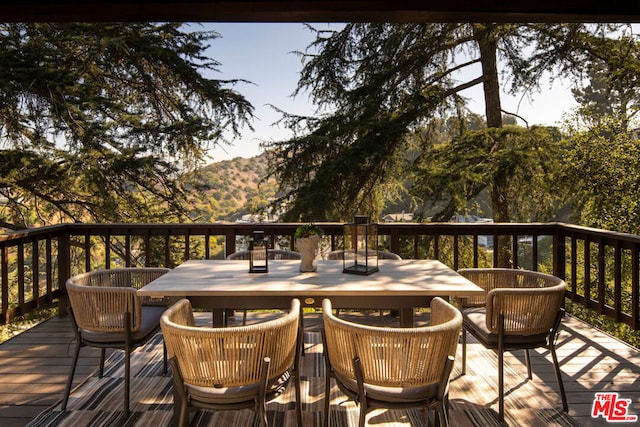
601,267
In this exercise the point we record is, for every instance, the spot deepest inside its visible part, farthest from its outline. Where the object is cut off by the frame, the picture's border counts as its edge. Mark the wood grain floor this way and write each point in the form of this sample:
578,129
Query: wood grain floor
34,368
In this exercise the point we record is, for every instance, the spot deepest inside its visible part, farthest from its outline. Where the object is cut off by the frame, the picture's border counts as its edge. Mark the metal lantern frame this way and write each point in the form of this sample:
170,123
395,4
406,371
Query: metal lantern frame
360,247
258,253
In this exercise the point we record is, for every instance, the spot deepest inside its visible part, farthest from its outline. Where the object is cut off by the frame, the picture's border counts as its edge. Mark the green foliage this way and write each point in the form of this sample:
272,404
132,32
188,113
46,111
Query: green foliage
97,119
524,160
603,174
354,159
612,90
383,92
307,230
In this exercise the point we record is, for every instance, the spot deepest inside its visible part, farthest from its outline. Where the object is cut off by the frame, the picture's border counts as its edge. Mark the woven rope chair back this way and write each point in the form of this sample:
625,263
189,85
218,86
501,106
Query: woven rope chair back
394,357
228,357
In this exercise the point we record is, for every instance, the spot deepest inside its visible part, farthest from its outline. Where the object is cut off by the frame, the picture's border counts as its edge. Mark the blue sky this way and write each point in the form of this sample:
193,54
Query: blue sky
261,53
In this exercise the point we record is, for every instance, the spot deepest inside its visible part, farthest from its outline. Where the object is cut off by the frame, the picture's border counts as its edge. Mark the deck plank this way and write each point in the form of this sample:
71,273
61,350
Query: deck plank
35,365
34,370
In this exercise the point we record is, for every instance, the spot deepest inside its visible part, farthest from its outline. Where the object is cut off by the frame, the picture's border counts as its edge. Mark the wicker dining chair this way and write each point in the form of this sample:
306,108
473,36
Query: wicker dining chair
521,309
106,312
393,368
231,368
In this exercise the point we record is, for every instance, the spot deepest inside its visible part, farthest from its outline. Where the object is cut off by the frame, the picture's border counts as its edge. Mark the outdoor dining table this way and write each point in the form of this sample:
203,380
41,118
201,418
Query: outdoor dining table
223,284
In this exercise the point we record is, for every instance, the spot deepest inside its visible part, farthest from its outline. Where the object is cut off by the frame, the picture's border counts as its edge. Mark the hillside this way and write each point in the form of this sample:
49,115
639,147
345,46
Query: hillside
226,190
229,189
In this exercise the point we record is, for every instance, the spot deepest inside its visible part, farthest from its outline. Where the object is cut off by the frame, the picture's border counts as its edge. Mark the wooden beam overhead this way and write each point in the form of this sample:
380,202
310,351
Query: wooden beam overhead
321,11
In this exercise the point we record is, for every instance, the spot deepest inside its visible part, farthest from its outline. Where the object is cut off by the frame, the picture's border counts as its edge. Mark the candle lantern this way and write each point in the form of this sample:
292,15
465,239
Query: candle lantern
360,247
258,253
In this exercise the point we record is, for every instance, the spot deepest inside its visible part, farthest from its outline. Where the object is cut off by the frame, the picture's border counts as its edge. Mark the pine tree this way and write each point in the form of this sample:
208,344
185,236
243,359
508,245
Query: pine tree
97,120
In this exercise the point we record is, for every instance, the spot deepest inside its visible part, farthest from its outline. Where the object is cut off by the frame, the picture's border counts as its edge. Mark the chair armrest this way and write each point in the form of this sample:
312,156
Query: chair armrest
485,278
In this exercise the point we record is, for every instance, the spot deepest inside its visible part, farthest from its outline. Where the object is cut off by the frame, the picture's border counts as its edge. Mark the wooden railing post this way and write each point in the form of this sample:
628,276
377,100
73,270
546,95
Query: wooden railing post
394,241
64,271
559,255
4,285
229,242
635,287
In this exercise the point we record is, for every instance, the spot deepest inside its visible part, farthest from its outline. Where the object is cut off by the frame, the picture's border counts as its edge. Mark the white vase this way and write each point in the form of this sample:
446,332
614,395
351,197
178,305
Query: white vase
309,247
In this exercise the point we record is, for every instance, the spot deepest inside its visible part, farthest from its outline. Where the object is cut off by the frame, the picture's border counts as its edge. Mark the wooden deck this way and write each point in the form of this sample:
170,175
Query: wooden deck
35,364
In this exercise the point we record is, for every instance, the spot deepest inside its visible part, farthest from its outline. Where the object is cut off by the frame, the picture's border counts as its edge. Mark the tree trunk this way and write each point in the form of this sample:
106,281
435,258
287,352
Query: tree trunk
488,47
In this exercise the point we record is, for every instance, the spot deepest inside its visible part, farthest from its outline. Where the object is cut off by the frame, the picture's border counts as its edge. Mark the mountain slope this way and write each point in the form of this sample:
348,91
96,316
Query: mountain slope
226,190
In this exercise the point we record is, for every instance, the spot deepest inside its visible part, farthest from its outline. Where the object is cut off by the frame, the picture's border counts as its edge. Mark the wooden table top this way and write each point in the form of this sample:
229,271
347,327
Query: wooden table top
232,278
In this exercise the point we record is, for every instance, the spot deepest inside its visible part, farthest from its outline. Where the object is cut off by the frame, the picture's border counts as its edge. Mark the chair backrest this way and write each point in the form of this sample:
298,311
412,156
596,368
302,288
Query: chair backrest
271,254
128,277
100,298
228,357
526,311
340,254
491,278
394,357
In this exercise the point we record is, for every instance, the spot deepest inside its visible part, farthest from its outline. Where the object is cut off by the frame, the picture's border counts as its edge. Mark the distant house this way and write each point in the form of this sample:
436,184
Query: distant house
469,218
257,218
483,241
398,217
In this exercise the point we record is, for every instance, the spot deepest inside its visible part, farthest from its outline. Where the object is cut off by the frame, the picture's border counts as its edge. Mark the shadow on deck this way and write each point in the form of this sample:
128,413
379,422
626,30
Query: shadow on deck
35,365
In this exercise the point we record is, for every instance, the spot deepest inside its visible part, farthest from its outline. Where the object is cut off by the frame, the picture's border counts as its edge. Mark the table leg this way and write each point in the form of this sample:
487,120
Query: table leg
218,317
406,317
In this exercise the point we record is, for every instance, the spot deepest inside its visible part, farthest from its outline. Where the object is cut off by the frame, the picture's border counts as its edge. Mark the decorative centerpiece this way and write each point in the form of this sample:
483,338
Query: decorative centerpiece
308,244
360,247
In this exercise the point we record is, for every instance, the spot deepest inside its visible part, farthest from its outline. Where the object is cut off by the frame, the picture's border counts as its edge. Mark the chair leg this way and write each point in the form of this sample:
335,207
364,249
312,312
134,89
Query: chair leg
500,385
127,376
183,420
556,366
464,351
427,416
443,419
501,369
262,394
327,380
127,362
102,358
263,414
296,368
298,401
180,401
362,420
527,360
67,391
327,400
442,396
165,368
301,330
362,397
